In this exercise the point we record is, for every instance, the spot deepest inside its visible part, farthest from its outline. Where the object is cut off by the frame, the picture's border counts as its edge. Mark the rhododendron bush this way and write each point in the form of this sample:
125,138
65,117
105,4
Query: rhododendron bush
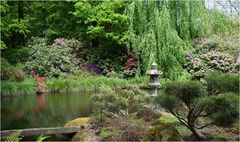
56,60
203,60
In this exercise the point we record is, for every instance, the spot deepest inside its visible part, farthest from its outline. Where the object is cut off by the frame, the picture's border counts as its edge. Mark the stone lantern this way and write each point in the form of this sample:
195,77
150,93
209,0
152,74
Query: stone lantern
154,82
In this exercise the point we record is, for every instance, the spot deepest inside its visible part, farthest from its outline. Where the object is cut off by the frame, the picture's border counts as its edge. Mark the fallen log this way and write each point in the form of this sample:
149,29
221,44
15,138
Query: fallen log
42,131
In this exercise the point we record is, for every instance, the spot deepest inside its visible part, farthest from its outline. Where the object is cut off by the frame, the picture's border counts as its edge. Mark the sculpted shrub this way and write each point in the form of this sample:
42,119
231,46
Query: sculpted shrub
223,108
188,101
219,82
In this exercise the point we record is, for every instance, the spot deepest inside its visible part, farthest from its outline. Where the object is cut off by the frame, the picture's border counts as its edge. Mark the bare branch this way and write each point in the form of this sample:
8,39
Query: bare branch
182,120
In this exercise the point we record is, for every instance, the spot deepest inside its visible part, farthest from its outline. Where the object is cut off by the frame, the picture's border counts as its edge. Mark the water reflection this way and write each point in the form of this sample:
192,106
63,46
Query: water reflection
46,110
40,104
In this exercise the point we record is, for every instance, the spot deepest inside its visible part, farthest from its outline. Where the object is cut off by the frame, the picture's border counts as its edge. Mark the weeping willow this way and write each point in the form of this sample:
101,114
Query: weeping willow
160,31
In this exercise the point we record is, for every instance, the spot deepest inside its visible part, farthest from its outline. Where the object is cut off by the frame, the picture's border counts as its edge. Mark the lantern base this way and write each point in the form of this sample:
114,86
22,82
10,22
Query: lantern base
154,92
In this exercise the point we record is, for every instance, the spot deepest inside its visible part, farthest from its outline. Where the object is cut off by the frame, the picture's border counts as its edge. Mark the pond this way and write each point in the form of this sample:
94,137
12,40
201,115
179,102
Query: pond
47,110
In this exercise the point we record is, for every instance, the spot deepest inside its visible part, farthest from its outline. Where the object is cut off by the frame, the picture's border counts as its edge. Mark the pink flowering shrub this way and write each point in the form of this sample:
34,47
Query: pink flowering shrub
41,82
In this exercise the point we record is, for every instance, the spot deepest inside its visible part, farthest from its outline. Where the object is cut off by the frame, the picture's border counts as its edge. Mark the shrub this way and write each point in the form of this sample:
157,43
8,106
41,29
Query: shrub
187,91
206,58
130,66
18,74
9,72
125,129
16,55
77,49
92,68
135,98
5,69
188,101
108,104
105,104
223,108
219,82
50,60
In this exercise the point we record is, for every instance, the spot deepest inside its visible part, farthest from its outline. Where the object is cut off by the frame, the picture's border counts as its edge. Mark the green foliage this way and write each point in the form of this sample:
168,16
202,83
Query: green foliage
13,25
167,101
16,55
223,108
217,136
83,82
58,62
9,72
219,82
153,38
13,137
103,21
105,133
41,138
108,104
186,91
50,22
221,23
5,69
17,88
187,100
135,98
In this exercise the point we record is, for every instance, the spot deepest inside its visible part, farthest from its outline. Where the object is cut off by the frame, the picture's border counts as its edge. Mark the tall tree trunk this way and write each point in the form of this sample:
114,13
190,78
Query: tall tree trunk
20,10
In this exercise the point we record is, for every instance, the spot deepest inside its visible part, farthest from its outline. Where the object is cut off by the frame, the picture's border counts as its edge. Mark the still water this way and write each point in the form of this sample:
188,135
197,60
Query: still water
47,110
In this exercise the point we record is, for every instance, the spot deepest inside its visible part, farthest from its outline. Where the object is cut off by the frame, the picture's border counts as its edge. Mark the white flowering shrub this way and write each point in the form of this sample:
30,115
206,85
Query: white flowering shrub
203,60
50,60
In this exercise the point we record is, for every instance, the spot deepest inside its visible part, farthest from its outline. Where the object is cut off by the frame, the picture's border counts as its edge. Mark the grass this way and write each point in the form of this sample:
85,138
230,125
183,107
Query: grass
12,87
217,136
105,133
69,84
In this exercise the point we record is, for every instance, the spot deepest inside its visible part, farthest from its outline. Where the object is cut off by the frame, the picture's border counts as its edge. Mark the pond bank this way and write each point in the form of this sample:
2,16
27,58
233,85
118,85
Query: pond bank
71,84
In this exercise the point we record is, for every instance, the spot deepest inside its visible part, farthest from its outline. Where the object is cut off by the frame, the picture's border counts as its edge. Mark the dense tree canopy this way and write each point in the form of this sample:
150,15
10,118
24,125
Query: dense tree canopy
111,30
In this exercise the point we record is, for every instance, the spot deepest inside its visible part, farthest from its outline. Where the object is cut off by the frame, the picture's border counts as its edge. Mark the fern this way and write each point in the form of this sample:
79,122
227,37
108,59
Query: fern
13,137
41,138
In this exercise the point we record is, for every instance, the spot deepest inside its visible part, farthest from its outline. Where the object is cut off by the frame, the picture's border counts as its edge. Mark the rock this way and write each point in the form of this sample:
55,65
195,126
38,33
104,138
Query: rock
148,114
167,118
86,134
82,121
162,133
